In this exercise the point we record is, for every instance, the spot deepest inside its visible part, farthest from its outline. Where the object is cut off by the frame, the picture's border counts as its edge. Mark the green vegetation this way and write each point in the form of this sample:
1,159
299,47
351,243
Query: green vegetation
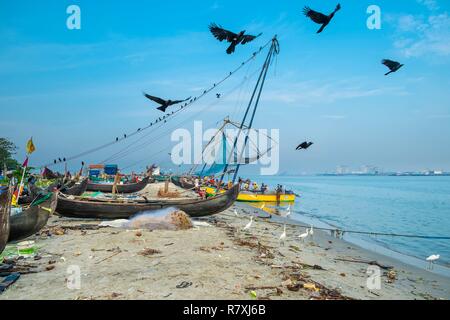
7,150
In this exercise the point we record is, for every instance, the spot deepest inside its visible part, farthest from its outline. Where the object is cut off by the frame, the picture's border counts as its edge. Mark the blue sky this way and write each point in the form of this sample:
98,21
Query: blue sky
76,89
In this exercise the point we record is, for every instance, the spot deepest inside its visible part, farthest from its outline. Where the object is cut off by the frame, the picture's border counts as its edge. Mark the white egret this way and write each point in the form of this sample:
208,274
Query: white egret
286,213
432,259
304,235
311,232
283,235
248,225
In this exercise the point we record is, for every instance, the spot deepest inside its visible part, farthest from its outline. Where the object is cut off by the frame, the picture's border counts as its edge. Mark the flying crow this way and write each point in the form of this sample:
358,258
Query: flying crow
392,65
320,18
164,104
304,145
221,34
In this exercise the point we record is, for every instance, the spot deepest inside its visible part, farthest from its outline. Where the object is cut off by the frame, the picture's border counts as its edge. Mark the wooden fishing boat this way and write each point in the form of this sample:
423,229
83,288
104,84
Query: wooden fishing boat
77,189
33,218
183,182
118,209
121,188
5,208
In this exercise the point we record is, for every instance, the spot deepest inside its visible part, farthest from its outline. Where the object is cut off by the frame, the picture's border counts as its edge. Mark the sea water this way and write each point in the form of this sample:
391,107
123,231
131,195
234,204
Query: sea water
386,204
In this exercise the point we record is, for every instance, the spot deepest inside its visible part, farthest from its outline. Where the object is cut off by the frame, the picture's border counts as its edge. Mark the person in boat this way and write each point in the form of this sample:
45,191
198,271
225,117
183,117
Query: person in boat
229,185
246,186
255,186
263,188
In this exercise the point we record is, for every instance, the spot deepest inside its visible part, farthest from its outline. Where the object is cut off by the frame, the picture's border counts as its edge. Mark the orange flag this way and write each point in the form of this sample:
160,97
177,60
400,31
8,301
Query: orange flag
30,146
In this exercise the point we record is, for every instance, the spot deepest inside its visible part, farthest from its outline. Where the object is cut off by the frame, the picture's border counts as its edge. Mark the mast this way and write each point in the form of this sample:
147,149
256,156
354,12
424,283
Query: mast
274,49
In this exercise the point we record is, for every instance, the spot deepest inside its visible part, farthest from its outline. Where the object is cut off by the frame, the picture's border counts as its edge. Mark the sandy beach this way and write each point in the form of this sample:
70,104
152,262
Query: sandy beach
213,261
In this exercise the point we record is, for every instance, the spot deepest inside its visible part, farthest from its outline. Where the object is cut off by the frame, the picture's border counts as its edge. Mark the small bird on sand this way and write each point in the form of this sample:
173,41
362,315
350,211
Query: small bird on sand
240,38
320,18
283,235
304,235
392,65
248,225
304,145
164,104
432,259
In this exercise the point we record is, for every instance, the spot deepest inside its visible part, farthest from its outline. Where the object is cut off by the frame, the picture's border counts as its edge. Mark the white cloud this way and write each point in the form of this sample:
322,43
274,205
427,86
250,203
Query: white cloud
310,93
430,4
334,116
418,35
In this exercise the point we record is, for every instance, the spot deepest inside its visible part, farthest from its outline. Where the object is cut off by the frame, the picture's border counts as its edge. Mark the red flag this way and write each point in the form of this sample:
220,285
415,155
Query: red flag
25,163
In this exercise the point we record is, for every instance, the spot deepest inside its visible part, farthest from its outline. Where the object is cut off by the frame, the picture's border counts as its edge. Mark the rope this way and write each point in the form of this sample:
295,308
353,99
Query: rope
143,145
373,233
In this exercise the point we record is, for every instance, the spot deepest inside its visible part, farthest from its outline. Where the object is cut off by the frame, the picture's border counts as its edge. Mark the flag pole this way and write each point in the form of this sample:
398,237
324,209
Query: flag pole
30,149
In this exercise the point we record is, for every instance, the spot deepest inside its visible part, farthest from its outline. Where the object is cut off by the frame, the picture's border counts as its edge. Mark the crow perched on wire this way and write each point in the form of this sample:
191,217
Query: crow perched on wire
392,65
164,104
304,145
320,18
240,38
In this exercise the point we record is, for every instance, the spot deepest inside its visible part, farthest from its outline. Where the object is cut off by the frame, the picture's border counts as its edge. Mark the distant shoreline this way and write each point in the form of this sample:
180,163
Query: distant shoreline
383,175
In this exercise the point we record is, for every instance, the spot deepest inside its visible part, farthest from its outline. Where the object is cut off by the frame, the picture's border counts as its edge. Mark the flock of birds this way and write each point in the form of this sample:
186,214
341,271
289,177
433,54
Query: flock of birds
234,39
309,232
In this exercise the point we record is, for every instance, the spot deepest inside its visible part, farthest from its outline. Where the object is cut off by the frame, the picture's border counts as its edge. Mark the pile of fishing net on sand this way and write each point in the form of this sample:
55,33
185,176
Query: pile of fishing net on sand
163,219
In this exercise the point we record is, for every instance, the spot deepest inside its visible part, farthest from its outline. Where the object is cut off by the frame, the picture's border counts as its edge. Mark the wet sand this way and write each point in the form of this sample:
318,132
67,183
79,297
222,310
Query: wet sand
219,261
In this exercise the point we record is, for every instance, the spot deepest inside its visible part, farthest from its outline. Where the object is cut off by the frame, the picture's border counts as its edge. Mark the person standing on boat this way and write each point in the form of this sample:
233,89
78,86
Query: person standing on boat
196,184
263,188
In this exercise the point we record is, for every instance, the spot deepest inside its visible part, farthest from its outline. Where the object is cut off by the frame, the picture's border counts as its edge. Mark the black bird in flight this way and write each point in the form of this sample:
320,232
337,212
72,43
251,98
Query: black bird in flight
164,104
240,38
117,139
54,161
320,18
392,65
59,159
218,95
304,145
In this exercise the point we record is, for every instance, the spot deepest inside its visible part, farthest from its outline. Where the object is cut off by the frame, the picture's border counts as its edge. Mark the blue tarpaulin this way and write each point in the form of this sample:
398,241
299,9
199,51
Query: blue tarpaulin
111,169
94,172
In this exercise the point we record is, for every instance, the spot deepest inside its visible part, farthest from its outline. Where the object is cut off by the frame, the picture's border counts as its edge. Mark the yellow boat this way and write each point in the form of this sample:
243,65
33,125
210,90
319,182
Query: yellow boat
249,196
